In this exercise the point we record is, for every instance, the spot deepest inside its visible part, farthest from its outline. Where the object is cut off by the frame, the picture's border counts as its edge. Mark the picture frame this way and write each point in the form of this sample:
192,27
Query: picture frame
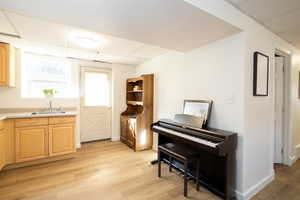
260,74
198,108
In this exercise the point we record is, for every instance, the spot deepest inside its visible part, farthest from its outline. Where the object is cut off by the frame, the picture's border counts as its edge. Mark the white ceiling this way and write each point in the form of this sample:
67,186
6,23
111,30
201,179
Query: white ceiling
169,24
44,37
280,16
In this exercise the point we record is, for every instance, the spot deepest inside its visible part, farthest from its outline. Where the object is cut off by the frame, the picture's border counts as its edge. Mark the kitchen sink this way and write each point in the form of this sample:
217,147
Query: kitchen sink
48,112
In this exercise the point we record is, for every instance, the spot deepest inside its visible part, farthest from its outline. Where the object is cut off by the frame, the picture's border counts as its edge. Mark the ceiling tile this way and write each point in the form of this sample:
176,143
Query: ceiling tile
6,26
82,54
267,9
285,23
37,30
147,51
169,24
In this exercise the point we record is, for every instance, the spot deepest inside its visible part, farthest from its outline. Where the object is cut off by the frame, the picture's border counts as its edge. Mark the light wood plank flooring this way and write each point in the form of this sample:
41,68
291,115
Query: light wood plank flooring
110,170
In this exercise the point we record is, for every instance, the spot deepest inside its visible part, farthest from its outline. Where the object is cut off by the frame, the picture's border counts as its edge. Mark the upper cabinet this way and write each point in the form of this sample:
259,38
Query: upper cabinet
7,65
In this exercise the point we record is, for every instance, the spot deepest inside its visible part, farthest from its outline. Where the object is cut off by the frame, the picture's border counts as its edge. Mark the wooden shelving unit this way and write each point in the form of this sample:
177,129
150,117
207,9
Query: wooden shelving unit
135,91
137,118
135,102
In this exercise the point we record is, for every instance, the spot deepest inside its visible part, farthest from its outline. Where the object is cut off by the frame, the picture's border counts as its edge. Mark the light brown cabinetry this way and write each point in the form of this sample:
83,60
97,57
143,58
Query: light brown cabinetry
31,143
2,146
7,65
27,141
61,139
137,118
128,131
38,138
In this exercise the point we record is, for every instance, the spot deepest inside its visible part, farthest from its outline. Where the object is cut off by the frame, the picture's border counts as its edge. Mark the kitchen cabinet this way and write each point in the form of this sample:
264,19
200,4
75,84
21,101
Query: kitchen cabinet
7,65
31,143
35,140
38,138
124,129
61,139
2,146
128,131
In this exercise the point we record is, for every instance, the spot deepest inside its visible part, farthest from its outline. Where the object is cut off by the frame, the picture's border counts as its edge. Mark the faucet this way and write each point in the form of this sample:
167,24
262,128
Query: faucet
50,106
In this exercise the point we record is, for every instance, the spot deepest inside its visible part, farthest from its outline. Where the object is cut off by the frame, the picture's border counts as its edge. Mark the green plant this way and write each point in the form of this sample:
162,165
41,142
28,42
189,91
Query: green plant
50,92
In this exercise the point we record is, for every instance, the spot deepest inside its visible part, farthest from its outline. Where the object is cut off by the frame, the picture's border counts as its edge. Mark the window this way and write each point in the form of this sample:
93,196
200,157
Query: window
96,89
39,73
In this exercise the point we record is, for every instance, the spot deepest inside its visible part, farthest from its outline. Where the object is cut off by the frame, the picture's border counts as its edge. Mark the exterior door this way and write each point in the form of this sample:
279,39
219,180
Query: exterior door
95,105
279,109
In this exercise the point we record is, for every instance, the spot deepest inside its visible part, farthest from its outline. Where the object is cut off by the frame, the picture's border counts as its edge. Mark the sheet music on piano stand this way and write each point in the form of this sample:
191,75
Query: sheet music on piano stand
198,108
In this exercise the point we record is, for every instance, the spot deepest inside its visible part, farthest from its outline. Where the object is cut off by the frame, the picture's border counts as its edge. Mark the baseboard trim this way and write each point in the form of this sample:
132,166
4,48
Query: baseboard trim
256,188
115,139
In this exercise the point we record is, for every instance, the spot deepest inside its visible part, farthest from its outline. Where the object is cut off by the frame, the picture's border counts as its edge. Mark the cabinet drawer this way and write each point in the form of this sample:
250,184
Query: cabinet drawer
61,120
31,122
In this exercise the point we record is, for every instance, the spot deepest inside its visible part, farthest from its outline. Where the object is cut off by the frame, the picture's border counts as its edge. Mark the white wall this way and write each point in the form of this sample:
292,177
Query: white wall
210,72
255,120
11,97
295,103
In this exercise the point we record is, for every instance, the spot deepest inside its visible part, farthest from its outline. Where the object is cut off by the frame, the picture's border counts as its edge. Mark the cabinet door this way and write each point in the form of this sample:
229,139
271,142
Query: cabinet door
4,64
124,128
131,131
2,148
61,139
31,143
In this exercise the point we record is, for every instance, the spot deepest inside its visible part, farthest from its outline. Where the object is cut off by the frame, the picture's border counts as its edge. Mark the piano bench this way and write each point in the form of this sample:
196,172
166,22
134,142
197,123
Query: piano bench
181,153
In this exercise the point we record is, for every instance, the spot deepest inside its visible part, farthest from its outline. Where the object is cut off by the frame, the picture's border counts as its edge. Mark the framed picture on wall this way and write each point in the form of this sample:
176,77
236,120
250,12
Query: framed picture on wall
260,74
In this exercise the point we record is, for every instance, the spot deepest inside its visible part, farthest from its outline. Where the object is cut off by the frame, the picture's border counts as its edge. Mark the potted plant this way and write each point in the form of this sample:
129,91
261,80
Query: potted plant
49,93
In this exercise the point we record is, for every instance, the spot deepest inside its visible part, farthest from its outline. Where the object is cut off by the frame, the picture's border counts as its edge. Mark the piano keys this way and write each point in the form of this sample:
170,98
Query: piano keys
216,152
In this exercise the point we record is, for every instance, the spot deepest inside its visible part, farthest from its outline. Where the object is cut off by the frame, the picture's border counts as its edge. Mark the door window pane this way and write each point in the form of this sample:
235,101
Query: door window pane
96,89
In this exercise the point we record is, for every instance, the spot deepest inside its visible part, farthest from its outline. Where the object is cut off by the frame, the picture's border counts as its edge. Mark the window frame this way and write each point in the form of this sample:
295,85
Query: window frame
25,80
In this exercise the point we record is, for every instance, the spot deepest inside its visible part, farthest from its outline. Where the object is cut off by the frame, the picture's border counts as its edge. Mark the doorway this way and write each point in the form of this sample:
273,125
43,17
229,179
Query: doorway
279,108
95,105
282,124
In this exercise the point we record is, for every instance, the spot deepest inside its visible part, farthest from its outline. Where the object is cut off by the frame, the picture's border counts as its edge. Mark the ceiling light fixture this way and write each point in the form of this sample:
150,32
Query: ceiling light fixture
87,40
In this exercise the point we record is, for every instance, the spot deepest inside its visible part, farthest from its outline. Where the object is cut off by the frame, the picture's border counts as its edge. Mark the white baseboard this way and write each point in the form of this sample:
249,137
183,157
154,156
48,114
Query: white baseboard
115,139
256,188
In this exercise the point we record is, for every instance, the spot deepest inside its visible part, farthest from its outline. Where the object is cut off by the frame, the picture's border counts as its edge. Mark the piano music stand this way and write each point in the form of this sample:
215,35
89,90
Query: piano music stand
198,108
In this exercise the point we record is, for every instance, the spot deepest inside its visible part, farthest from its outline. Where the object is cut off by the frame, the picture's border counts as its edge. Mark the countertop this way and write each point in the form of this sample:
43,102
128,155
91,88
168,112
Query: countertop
30,115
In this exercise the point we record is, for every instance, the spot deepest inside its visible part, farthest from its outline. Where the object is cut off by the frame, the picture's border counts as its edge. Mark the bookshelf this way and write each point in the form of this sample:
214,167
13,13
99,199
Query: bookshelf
138,116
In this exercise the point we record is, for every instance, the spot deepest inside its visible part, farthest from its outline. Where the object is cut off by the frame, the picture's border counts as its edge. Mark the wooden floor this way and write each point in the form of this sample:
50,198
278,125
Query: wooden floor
110,170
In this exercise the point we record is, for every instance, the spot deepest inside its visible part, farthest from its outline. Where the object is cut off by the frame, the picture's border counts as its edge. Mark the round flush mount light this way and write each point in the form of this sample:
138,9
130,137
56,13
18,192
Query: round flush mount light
87,40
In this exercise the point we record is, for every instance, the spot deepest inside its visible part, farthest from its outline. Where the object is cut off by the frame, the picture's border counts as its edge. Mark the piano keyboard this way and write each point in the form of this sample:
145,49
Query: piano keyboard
188,137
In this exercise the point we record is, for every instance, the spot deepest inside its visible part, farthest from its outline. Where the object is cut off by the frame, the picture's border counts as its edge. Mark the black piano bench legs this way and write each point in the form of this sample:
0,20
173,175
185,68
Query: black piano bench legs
159,164
185,179
182,154
170,163
197,175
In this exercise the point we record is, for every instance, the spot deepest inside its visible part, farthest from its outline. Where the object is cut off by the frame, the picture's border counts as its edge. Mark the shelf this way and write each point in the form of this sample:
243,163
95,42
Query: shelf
135,91
135,102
